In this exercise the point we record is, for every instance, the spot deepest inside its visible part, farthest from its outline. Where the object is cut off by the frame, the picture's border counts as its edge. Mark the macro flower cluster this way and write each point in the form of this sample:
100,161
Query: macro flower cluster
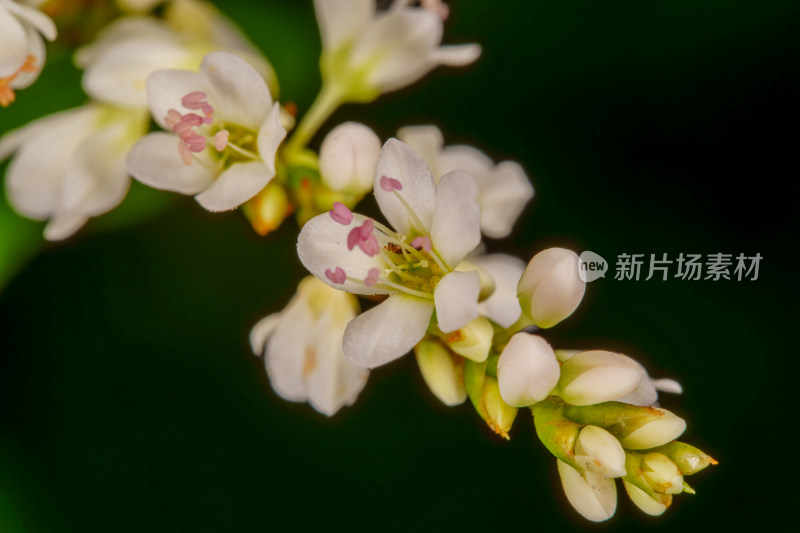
420,279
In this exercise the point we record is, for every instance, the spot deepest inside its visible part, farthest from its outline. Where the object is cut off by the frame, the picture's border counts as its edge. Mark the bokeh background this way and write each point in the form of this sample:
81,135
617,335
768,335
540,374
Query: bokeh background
130,401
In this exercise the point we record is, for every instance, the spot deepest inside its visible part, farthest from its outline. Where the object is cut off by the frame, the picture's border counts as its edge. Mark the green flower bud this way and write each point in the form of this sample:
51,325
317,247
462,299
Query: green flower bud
442,371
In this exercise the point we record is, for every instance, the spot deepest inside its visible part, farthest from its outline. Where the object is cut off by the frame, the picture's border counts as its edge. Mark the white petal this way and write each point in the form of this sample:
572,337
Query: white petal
598,376
341,21
165,88
36,49
141,29
668,385
462,157
236,185
527,370
399,46
427,141
503,305
155,161
348,157
456,55
119,76
286,351
591,495
35,17
34,176
503,198
387,331
237,91
262,331
455,230
644,394
322,245
270,136
13,44
398,161
456,297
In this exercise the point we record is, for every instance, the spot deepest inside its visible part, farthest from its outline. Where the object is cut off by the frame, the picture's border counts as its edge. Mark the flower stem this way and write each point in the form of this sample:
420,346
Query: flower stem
328,99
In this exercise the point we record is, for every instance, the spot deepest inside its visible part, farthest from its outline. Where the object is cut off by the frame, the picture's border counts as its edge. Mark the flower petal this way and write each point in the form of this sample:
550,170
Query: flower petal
270,136
237,91
455,230
398,161
456,55
427,141
503,198
387,331
166,88
13,43
36,49
286,352
63,224
155,161
456,297
262,331
236,185
33,16
503,305
322,245
341,21
592,495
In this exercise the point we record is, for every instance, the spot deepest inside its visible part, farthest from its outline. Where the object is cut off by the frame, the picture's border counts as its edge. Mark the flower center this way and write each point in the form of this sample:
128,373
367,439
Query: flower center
234,144
7,95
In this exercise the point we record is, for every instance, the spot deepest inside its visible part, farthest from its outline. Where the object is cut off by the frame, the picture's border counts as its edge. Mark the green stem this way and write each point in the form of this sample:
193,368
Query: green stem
328,99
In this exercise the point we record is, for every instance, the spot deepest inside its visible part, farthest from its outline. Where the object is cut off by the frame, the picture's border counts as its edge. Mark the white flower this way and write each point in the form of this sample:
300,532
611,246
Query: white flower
70,166
550,289
527,370
366,52
302,348
225,133
598,376
503,272
119,61
503,189
592,495
347,158
436,227
22,52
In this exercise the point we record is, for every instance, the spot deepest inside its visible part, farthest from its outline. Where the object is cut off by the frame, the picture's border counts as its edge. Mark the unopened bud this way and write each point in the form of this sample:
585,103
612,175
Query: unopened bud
442,371
550,289
527,370
563,355
659,427
654,504
473,340
662,474
600,452
268,208
597,376
348,156
688,458
592,495
497,413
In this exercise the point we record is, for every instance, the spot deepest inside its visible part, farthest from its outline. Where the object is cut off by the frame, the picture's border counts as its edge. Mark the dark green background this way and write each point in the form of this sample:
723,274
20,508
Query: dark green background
129,399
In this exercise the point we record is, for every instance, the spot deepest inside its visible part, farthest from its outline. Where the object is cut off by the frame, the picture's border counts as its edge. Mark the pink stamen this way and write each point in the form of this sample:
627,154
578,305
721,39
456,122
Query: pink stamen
422,243
337,277
182,127
192,119
172,118
197,143
372,277
193,100
363,237
186,153
341,214
370,246
221,140
389,184
366,228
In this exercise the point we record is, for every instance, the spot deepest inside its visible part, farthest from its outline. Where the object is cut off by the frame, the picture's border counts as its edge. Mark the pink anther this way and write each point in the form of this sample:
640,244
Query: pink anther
172,118
186,153
197,143
337,277
194,100
372,277
422,242
341,214
362,237
389,184
221,140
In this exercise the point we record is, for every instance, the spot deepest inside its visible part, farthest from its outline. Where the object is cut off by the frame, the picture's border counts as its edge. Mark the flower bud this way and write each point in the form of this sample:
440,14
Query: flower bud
654,505
662,474
597,376
473,340
527,370
442,371
348,156
600,452
688,458
592,495
550,289
267,209
497,413
659,427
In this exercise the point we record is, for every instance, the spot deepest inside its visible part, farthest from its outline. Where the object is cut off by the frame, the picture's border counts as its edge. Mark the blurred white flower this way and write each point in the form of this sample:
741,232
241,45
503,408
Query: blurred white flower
70,166
302,348
436,227
503,189
223,120
22,52
366,52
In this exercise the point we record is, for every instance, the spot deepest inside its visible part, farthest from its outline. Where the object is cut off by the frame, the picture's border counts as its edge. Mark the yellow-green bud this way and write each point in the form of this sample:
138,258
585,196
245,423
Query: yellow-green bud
442,371
473,340
600,452
653,505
